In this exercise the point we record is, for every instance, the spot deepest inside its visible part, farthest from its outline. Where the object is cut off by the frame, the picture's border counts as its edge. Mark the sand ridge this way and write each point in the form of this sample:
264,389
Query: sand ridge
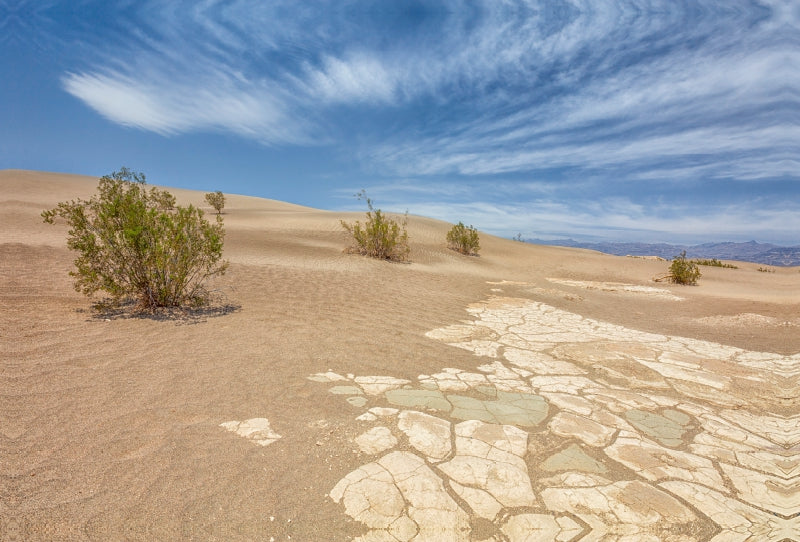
116,429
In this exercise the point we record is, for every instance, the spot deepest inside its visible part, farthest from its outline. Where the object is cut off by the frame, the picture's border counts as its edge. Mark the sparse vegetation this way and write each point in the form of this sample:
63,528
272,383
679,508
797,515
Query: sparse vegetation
216,200
163,199
463,239
682,271
380,236
713,262
765,270
131,248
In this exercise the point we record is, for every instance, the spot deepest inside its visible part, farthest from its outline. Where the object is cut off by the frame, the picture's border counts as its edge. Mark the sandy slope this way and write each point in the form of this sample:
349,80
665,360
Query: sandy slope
111,429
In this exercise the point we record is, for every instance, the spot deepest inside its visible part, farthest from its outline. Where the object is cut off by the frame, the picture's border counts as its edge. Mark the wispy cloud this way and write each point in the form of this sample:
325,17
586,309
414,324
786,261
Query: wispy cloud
358,78
553,67
184,106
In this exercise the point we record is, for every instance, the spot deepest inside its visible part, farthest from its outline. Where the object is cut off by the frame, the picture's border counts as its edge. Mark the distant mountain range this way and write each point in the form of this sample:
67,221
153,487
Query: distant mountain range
750,251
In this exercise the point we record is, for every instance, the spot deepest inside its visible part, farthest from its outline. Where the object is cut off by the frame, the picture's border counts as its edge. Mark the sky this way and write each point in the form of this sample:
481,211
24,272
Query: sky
600,120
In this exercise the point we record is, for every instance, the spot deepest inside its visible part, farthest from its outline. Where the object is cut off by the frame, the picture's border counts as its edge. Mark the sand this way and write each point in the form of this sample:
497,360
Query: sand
529,392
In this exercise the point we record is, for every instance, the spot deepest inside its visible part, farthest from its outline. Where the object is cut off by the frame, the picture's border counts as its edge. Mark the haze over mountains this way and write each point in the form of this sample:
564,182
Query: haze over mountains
750,251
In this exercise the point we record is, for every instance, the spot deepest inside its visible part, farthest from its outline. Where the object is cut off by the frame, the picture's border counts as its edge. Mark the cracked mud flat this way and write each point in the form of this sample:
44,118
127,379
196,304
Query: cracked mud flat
575,429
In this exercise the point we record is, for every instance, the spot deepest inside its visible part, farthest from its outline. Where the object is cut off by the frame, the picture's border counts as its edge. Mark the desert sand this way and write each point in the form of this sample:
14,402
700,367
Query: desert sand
530,393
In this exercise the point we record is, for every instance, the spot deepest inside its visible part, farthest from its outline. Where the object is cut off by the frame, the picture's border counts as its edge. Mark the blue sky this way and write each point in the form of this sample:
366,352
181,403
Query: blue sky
634,120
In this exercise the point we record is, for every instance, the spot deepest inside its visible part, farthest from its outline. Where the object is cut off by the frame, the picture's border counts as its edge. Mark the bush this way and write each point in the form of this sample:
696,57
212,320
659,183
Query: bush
713,262
380,236
131,248
216,200
683,271
163,199
463,239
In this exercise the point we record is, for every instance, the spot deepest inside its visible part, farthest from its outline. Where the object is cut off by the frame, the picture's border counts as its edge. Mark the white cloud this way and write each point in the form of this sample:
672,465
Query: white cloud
680,105
359,78
118,100
328,59
181,106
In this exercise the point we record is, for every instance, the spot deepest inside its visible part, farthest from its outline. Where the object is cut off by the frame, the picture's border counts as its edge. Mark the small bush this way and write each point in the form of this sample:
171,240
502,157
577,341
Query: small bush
131,248
380,236
216,200
683,271
713,262
463,239
765,270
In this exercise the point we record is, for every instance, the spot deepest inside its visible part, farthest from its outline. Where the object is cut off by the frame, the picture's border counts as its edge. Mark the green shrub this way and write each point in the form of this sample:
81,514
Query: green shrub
132,249
163,199
713,262
463,239
216,200
380,236
683,271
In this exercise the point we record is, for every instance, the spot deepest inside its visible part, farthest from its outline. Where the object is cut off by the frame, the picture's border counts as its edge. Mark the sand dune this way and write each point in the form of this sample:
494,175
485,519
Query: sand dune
530,391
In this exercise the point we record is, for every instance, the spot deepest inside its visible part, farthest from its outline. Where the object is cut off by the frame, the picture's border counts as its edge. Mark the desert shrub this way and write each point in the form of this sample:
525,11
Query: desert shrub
765,270
163,199
380,236
713,262
683,271
463,239
132,249
216,200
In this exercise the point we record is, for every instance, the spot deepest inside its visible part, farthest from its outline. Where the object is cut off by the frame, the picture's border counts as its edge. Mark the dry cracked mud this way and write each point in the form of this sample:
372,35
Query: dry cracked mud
576,429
